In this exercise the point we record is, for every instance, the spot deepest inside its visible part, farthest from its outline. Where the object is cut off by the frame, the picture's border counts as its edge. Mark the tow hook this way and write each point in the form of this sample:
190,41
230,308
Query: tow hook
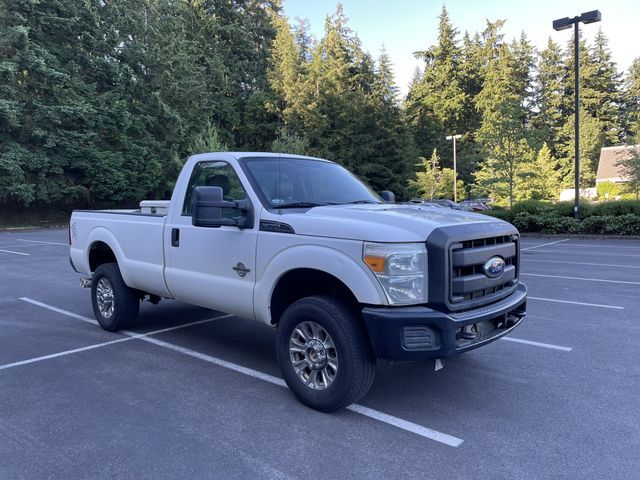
86,282
438,364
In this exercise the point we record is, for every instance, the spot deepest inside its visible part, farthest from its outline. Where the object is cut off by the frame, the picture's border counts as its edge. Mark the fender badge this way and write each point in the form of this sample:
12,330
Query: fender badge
241,269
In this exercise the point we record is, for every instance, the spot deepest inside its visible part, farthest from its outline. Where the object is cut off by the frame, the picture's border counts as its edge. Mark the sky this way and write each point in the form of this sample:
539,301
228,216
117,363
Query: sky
404,26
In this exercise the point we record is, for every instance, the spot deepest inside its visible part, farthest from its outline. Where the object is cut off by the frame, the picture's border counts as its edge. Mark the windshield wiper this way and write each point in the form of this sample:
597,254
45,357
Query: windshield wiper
304,204
361,201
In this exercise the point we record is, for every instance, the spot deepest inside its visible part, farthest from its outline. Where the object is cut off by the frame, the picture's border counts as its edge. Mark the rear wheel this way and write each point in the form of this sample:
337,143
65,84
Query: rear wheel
324,353
115,305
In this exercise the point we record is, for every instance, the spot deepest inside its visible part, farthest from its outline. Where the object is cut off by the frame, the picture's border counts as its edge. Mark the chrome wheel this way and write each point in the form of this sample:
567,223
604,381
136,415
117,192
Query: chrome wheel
313,355
104,296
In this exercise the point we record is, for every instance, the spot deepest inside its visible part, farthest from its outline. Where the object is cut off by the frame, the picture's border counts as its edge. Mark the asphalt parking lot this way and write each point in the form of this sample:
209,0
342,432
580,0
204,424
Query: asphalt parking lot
178,399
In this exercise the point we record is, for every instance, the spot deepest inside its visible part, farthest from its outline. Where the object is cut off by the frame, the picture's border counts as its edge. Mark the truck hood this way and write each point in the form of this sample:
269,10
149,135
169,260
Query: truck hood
378,223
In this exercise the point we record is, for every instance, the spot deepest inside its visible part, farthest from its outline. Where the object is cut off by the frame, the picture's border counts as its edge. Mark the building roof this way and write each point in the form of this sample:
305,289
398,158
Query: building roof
608,170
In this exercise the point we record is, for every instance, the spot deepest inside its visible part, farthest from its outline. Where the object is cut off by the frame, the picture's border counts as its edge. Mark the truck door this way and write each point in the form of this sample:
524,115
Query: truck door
212,267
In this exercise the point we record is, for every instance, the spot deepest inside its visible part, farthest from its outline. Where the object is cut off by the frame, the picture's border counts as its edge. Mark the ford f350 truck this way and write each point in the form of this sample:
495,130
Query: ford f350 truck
301,244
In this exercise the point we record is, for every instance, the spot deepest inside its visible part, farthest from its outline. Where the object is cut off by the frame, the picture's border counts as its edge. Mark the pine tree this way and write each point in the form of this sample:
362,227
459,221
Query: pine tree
599,86
393,150
591,141
630,166
502,134
632,101
605,87
432,181
549,102
541,180
285,75
524,62
292,143
435,106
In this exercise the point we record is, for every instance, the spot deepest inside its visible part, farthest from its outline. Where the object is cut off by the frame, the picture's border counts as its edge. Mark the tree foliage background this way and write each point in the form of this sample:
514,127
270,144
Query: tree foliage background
101,101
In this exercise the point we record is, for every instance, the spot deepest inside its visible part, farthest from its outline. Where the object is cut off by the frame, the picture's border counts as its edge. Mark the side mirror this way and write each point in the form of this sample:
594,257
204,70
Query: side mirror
388,196
206,209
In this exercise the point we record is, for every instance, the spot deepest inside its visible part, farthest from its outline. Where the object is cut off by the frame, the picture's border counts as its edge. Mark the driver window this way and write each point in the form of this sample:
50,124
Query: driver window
215,174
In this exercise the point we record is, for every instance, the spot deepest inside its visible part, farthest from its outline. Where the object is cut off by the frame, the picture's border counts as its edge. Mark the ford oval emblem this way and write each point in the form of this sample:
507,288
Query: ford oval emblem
494,267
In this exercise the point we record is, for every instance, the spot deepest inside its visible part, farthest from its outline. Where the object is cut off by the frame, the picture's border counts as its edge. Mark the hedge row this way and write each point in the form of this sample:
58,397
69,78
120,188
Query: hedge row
596,224
565,209
611,218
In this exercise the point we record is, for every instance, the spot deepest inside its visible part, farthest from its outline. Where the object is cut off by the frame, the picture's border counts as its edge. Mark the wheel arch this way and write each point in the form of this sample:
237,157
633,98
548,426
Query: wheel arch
312,270
100,253
305,282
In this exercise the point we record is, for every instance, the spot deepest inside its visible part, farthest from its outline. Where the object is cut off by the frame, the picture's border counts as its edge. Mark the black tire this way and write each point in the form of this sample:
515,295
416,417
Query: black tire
125,302
355,360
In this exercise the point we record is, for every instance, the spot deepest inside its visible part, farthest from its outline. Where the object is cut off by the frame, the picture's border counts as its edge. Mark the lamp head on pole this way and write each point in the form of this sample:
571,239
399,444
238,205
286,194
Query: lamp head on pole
591,17
451,137
587,17
562,23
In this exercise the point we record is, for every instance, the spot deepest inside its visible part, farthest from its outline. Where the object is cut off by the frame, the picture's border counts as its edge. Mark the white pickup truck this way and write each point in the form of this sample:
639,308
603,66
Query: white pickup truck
299,243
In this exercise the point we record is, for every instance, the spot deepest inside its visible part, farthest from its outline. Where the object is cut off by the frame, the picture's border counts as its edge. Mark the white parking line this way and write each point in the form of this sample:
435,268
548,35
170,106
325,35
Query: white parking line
15,253
624,282
130,336
582,263
574,303
544,244
578,252
537,344
409,426
40,241
608,246
64,353
59,310
360,409
22,245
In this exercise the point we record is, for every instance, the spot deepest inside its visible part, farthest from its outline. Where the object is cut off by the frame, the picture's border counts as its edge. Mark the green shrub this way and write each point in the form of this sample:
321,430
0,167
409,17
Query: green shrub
499,213
607,224
598,224
532,207
565,209
617,208
547,222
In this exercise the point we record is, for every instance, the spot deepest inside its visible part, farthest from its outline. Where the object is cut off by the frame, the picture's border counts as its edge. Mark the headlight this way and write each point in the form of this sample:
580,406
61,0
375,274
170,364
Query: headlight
401,269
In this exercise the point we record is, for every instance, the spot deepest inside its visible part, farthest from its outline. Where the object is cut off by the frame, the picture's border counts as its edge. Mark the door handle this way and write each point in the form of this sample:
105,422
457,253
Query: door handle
175,237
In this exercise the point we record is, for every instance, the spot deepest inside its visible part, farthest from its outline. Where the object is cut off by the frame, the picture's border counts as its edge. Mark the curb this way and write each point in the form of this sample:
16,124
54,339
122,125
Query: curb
580,236
33,228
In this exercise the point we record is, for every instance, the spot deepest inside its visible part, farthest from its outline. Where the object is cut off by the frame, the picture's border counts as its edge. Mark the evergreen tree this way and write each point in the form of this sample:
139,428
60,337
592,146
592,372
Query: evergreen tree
605,87
524,58
502,134
630,166
435,106
549,101
292,143
432,181
541,181
286,75
393,150
591,141
631,103
599,86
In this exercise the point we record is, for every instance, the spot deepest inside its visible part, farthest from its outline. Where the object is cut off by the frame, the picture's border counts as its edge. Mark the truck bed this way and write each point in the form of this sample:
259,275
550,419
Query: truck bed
136,238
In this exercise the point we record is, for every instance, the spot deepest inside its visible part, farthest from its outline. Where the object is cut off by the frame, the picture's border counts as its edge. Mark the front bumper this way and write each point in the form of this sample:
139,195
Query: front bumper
415,333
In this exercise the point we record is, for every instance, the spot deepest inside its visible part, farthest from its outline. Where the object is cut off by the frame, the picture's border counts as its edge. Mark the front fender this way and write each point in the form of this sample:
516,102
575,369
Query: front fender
355,275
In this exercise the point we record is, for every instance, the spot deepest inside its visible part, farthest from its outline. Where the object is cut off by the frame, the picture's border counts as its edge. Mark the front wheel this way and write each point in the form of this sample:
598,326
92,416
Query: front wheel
324,353
115,305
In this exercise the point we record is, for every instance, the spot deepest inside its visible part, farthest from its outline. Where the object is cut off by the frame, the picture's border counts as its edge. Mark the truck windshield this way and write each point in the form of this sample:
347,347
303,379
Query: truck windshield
302,183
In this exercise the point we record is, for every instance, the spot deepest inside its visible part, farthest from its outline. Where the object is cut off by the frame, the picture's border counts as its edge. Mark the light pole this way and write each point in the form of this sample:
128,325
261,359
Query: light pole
562,24
455,168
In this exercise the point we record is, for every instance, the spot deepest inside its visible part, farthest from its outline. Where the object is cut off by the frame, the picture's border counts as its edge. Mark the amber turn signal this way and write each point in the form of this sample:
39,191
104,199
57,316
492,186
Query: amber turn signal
376,264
